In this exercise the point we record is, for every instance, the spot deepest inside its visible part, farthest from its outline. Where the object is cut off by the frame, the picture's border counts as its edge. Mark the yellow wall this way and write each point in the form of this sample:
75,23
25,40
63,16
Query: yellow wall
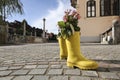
91,28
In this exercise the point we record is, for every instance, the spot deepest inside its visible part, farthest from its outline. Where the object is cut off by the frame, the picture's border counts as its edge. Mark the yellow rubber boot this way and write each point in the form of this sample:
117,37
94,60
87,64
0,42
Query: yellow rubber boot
75,57
63,48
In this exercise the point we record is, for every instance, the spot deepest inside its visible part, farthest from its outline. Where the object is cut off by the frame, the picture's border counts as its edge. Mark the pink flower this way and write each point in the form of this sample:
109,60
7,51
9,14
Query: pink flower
78,16
65,18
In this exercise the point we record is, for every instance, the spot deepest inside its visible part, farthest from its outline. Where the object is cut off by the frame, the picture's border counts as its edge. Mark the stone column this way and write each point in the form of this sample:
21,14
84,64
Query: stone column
44,27
24,29
35,33
6,33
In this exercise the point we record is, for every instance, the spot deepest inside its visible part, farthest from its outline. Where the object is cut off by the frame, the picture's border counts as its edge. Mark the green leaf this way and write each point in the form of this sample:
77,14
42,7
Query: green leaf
72,28
77,28
61,24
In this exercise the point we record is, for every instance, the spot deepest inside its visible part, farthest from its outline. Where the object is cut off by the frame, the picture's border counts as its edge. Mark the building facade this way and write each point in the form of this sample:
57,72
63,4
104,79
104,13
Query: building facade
96,17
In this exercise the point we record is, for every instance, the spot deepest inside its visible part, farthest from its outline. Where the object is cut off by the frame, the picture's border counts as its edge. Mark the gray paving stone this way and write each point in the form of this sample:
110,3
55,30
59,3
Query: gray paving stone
101,79
30,66
41,78
100,69
63,62
5,73
23,77
109,75
54,62
79,78
72,72
118,74
20,72
55,71
42,66
42,63
6,78
3,68
65,67
114,69
89,73
19,64
15,67
9,62
56,66
59,78
37,71
31,63
44,54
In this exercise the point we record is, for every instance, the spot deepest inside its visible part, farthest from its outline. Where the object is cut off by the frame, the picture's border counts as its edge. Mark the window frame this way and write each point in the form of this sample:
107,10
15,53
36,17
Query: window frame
108,8
91,4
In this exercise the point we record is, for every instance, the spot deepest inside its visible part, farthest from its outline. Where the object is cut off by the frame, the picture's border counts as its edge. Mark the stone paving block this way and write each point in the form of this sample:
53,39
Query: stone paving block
5,73
100,69
37,71
63,62
114,69
59,78
19,64
89,73
72,72
79,78
56,66
55,71
42,66
20,72
109,75
65,67
15,67
3,68
114,65
43,63
41,78
101,79
31,63
52,59
54,63
118,74
9,62
23,77
6,78
30,66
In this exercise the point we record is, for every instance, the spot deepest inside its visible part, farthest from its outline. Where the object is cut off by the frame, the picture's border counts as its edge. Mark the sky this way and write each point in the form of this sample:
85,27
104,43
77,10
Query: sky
36,10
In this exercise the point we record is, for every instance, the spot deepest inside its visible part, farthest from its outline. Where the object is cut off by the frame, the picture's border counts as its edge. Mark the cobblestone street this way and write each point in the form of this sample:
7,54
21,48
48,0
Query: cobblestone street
41,62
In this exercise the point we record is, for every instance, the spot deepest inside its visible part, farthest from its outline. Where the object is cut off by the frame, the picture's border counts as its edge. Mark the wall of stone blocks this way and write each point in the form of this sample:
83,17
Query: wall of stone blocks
3,34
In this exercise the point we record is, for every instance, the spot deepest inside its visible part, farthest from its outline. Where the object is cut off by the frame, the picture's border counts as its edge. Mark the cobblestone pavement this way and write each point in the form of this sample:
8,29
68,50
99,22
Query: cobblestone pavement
41,62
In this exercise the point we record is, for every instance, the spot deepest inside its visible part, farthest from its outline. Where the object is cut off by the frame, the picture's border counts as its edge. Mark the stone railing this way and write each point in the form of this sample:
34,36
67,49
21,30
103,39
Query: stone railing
20,39
106,37
111,35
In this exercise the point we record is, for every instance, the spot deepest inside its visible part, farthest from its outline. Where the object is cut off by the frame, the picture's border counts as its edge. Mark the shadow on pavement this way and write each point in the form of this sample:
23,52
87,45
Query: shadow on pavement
108,65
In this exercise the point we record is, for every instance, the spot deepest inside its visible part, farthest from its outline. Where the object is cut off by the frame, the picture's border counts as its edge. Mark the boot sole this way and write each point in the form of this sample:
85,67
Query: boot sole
72,65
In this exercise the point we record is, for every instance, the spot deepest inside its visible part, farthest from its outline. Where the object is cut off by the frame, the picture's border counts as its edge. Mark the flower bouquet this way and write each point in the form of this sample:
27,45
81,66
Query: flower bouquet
69,24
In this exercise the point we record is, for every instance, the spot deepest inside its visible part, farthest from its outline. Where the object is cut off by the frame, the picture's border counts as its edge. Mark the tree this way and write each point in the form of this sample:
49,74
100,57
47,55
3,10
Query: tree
8,7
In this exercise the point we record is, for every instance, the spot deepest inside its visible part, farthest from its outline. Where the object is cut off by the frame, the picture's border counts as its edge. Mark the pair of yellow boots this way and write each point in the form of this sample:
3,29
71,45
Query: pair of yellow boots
70,50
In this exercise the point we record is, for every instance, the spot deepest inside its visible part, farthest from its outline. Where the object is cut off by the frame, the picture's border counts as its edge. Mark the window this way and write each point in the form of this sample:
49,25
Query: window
91,8
105,7
109,7
116,7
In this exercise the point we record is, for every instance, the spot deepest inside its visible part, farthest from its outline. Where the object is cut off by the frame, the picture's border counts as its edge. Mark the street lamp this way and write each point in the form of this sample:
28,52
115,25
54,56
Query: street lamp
44,27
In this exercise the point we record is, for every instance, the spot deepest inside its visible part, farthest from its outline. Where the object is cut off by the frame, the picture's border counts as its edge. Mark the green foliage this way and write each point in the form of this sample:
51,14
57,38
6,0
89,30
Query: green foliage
69,24
61,24
8,7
